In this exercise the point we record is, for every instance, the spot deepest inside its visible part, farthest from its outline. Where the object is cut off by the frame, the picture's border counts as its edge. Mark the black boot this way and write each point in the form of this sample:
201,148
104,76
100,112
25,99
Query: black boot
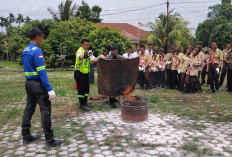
27,137
51,142
211,91
112,102
86,102
83,105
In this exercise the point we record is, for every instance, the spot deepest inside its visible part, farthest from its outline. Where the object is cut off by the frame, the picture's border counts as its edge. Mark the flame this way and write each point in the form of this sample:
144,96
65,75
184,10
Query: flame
128,94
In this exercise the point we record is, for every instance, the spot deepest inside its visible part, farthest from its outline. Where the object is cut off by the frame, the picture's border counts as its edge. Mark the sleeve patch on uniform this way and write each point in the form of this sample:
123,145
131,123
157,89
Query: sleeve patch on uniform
34,48
40,56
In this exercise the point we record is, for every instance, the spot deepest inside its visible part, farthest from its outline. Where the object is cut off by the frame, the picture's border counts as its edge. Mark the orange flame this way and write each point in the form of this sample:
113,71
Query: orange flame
128,94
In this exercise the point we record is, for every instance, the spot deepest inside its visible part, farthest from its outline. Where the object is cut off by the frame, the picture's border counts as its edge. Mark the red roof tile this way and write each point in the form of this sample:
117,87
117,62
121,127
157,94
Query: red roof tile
127,29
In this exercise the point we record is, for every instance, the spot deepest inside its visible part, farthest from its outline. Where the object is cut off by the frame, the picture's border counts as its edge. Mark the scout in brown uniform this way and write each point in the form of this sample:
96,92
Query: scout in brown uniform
160,66
103,56
215,60
153,70
201,57
185,61
204,70
144,65
169,66
176,68
224,64
229,71
192,74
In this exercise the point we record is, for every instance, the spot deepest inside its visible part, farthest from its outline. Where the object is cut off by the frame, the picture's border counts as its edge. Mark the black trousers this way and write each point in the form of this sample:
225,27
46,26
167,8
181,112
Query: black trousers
91,74
229,79
213,76
160,78
153,78
223,73
175,79
168,75
144,79
37,94
83,86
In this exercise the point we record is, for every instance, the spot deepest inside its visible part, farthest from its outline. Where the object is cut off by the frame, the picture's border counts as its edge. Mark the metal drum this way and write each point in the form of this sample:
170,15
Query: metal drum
134,111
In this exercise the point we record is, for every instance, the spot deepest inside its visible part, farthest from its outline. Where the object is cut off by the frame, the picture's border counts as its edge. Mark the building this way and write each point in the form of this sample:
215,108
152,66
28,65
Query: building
134,34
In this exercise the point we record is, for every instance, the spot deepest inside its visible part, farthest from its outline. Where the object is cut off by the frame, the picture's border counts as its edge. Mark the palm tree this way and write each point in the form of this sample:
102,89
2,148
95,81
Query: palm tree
20,19
178,31
27,19
11,18
65,11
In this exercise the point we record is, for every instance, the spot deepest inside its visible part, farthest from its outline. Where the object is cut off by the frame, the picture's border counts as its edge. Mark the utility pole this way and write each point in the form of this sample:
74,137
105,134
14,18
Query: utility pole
167,24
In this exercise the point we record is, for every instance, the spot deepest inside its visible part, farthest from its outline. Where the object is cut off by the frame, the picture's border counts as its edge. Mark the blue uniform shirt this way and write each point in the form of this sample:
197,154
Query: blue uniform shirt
33,64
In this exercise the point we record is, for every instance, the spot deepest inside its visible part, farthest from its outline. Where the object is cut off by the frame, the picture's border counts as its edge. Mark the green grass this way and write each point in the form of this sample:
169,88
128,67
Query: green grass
9,64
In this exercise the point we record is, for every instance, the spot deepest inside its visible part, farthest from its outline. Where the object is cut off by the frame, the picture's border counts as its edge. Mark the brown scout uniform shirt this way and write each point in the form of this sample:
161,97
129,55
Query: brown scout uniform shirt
194,67
185,61
147,59
218,57
169,59
178,57
158,61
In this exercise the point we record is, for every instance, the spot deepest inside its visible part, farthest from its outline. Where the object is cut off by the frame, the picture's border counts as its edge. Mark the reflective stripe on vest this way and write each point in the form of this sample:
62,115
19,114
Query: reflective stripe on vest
85,66
30,73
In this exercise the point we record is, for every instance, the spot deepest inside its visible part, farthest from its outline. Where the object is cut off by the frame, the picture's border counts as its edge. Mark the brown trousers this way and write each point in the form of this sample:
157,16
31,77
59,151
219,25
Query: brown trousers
191,84
182,81
223,73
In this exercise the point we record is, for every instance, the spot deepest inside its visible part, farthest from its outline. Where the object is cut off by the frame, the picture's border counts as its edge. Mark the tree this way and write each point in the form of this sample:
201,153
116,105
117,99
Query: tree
222,34
27,19
102,38
178,31
205,29
20,19
91,14
65,11
219,14
11,18
226,1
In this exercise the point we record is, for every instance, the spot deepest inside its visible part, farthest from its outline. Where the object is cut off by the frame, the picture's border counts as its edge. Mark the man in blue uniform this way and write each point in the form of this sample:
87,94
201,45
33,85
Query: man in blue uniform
38,90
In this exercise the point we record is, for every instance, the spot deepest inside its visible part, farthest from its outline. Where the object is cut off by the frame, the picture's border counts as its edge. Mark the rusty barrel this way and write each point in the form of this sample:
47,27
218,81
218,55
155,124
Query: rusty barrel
134,111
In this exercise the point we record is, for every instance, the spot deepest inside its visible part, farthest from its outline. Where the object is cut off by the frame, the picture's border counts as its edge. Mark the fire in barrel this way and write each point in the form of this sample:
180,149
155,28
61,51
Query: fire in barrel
133,109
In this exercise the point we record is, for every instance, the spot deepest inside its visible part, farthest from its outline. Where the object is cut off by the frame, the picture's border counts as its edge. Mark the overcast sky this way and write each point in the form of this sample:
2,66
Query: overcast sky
195,11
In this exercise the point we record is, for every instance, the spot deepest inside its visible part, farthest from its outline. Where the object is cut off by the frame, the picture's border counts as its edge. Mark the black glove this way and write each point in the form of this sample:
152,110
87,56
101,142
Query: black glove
86,55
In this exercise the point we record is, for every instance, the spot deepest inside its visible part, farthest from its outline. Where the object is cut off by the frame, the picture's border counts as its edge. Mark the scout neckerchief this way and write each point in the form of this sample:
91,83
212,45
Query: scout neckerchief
128,55
143,60
176,60
161,60
213,58
191,65
153,59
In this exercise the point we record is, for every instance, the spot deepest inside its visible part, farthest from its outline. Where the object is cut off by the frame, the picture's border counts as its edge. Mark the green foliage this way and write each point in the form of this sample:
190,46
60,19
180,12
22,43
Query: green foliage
178,31
220,20
102,38
69,11
222,34
91,14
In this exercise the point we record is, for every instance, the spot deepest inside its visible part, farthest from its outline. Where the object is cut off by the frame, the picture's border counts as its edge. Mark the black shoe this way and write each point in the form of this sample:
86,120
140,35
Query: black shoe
89,105
29,139
211,91
199,91
217,91
85,108
113,105
53,143
149,89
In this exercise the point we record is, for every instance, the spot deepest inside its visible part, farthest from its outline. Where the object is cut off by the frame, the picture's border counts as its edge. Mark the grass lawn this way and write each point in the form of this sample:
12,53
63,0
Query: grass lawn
9,64
214,107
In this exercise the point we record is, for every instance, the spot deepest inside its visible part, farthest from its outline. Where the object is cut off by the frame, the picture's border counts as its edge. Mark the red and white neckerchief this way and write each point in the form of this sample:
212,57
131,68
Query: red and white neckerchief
161,60
191,65
153,59
143,60
213,58
176,60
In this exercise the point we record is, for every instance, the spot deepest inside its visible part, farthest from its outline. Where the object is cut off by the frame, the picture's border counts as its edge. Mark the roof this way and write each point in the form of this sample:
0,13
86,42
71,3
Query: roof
127,29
